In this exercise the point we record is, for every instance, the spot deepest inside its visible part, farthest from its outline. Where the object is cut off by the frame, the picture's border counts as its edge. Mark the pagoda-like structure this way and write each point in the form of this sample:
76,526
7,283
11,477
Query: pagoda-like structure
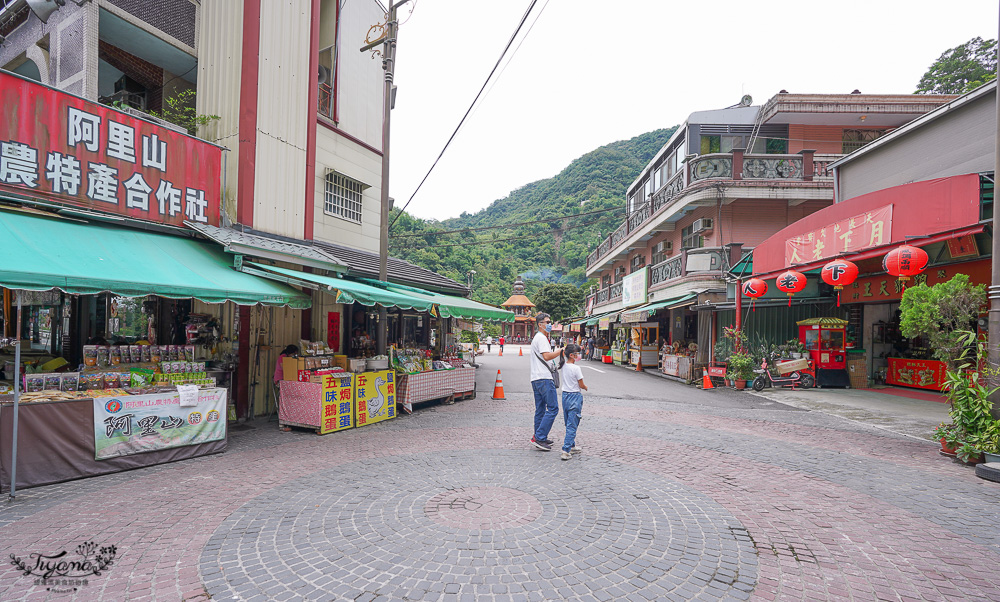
523,327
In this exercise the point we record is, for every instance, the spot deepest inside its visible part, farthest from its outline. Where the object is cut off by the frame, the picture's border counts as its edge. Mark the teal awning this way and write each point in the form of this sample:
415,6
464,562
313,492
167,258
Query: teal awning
643,313
352,291
43,253
450,306
597,318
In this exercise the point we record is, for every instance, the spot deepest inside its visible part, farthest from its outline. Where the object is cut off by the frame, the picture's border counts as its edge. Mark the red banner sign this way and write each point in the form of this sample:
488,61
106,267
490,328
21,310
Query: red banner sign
76,152
333,330
864,231
879,289
923,374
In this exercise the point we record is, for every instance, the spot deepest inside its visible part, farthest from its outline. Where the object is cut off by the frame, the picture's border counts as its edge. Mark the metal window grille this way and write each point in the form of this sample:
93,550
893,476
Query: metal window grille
690,240
343,197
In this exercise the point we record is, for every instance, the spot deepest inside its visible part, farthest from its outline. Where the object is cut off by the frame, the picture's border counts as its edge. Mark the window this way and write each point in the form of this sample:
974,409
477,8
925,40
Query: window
606,281
343,197
619,273
855,139
711,144
690,240
638,261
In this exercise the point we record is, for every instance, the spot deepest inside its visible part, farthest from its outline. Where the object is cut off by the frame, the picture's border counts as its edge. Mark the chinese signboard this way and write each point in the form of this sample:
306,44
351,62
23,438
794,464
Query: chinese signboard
85,154
634,288
338,403
923,374
376,396
864,231
134,424
877,289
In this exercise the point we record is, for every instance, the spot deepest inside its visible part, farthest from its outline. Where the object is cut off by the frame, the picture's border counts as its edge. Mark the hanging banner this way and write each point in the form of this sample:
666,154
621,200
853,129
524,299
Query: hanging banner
133,424
84,154
864,231
376,396
634,288
333,331
338,402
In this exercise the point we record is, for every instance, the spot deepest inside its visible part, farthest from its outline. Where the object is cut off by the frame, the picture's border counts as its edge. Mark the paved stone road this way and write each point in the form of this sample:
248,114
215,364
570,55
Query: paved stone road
678,495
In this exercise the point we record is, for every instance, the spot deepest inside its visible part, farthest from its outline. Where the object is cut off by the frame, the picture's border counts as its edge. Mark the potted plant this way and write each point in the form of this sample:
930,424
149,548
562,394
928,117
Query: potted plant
740,368
943,314
969,396
989,442
949,437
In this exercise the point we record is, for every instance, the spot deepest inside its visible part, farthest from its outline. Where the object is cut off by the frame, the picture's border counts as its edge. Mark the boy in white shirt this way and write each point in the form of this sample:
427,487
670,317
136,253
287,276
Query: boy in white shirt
572,398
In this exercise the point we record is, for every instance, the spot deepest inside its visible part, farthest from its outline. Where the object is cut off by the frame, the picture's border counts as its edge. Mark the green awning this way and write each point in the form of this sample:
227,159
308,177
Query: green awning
42,253
641,314
743,267
597,318
450,306
352,291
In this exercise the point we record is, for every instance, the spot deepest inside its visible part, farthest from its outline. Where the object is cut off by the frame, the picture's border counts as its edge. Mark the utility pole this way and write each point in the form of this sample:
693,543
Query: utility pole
994,318
388,41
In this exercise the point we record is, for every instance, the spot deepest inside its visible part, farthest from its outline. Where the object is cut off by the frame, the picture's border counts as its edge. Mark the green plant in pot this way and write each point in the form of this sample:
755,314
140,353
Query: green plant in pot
943,313
989,442
740,368
969,395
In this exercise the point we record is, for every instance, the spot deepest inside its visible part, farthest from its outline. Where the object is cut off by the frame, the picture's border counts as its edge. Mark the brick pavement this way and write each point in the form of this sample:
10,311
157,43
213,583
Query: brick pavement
669,501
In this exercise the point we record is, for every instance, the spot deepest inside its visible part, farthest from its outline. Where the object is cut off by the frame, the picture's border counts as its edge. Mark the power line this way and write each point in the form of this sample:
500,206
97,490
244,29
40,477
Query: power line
514,225
469,110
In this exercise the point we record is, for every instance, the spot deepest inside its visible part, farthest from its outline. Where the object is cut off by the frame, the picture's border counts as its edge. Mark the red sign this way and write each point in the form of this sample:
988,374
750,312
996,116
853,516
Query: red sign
867,230
878,289
76,152
333,330
923,374
963,246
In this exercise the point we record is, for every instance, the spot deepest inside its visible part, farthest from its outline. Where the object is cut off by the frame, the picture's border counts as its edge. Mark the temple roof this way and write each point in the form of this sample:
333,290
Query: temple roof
517,301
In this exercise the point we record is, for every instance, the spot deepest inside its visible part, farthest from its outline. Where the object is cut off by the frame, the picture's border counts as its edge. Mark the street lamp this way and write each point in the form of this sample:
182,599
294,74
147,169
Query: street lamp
469,277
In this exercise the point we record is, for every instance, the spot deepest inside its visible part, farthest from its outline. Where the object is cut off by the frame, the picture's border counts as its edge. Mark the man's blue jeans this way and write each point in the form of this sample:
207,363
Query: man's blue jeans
572,407
546,407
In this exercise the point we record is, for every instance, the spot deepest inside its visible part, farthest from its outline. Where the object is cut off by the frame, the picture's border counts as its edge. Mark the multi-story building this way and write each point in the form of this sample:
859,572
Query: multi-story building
725,181
283,88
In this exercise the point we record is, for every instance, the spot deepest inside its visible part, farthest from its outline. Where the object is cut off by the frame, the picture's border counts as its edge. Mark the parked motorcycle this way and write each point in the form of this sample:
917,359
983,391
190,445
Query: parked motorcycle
797,378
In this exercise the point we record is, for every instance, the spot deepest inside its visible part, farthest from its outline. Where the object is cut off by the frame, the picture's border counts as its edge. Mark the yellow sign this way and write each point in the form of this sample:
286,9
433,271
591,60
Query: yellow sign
376,396
338,403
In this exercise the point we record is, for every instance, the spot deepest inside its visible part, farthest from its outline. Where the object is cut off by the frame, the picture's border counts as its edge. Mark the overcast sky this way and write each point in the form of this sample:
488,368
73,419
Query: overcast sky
592,72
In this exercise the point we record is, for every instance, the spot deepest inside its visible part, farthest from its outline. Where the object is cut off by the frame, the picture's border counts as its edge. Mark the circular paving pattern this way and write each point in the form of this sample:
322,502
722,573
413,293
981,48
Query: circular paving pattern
483,508
484,524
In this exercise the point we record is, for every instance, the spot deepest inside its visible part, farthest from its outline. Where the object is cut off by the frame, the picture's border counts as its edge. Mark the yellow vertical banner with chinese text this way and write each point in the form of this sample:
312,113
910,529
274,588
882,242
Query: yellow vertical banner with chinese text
338,402
375,393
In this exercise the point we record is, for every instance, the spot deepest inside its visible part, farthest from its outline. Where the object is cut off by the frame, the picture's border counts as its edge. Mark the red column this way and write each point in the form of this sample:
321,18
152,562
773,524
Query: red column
241,386
739,303
807,164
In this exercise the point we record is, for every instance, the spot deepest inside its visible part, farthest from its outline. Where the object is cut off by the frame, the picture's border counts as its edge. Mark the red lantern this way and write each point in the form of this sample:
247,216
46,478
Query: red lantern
905,261
754,288
791,282
839,273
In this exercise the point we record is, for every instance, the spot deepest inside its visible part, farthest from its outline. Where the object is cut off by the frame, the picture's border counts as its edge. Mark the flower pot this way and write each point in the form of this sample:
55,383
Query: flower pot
992,457
740,384
950,451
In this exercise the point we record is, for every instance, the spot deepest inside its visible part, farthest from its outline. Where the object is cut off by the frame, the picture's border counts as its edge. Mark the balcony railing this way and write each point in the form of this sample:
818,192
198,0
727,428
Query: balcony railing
666,270
802,167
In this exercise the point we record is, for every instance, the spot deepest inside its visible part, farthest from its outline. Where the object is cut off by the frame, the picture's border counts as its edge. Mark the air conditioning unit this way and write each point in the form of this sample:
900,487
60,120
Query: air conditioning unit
665,247
701,225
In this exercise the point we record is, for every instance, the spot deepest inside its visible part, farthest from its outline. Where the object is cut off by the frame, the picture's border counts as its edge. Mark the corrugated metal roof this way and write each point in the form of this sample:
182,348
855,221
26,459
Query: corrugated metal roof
328,256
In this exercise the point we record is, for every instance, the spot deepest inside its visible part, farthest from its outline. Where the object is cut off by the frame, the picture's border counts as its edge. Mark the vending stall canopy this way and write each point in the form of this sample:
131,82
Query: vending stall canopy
450,306
351,291
643,313
76,257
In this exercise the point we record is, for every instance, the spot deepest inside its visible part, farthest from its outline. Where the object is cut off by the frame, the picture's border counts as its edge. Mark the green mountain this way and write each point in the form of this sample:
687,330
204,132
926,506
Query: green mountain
547,247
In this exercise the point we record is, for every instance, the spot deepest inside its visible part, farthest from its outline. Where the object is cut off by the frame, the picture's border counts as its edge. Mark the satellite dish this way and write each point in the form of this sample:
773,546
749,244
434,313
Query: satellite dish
746,101
324,75
43,9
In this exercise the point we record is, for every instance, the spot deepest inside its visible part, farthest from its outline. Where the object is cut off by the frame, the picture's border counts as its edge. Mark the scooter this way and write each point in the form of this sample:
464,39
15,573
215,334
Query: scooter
798,378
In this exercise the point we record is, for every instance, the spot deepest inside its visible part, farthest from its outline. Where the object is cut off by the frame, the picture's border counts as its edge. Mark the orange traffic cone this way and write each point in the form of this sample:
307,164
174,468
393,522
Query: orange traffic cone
498,389
706,382
638,363
501,352
520,352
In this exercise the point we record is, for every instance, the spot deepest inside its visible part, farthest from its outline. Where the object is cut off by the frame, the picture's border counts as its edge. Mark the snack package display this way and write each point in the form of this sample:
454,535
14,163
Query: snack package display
51,382
135,353
89,382
90,355
188,353
173,353
34,383
103,356
112,380
141,377
70,381
116,356
147,353
154,354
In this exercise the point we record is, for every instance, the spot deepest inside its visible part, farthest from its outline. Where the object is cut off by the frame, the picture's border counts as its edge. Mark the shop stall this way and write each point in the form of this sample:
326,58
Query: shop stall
678,360
644,346
825,340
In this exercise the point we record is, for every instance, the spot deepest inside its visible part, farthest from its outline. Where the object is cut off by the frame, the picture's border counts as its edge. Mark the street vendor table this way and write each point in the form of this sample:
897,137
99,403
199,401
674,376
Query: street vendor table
677,365
58,440
425,386
334,402
922,374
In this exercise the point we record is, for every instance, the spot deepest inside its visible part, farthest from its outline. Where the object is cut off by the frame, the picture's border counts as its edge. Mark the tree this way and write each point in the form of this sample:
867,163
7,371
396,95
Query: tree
941,313
559,300
961,69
